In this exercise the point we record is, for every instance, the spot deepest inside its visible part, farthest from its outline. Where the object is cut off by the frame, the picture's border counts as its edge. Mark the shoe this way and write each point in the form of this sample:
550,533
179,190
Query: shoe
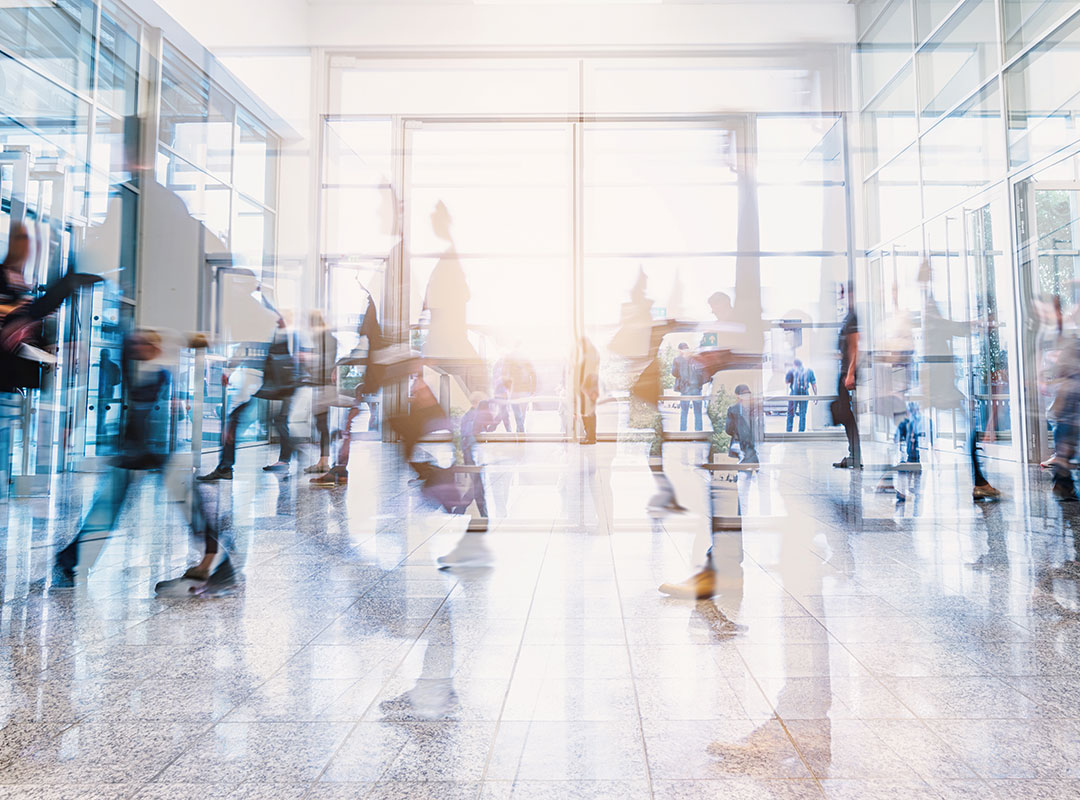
701,586
985,492
221,581
62,578
1065,492
277,466
85,278
663,509
187,585
219,474
845,463
330,478
430,699
316,469
471,551
1072,569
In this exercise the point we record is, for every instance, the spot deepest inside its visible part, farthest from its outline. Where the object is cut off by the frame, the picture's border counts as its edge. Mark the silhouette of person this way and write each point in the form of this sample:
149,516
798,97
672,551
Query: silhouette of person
446,298
108,380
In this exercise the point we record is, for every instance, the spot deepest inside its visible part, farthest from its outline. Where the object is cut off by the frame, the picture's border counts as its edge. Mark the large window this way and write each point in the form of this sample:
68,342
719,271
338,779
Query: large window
220,160
501,271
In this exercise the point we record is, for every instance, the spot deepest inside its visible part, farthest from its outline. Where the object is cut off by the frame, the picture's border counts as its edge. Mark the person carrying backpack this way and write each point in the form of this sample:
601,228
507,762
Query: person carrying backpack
800,380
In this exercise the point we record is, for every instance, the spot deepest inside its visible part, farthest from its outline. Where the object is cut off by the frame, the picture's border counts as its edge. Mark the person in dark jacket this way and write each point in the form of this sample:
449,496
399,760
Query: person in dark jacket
688,381
743,425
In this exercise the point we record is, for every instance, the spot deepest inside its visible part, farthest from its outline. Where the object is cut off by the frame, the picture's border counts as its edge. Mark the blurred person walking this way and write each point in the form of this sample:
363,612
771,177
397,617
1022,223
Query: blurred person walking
844,411
471,551
370,346
321,363
143,446
588,366
938,380
281,378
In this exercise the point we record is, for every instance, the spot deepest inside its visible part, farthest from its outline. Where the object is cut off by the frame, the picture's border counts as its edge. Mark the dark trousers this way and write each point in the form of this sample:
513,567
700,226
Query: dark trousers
101,520
322,425
1066,434
281,425
977,476
849,420
228,438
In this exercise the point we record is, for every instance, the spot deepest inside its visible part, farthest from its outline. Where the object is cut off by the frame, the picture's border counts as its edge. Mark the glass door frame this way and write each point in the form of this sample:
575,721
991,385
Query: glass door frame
1025,248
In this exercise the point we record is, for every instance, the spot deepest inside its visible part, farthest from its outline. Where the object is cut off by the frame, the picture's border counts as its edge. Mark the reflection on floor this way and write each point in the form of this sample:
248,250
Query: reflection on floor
921,649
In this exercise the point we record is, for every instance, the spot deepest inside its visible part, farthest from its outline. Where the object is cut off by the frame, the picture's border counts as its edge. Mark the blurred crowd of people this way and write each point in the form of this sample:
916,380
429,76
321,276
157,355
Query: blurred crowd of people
443,391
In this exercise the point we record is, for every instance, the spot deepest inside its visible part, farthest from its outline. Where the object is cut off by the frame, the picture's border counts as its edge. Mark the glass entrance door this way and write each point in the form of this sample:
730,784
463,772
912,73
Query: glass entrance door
489,217
1048,259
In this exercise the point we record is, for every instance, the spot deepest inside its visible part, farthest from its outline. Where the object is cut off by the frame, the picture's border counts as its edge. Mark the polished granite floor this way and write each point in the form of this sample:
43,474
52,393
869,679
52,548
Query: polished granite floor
925,649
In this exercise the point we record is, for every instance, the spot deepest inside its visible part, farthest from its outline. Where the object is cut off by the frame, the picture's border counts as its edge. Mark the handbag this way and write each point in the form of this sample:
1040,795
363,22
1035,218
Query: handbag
281,373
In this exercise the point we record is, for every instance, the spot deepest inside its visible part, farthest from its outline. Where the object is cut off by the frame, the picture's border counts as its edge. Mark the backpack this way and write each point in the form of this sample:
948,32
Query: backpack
801,383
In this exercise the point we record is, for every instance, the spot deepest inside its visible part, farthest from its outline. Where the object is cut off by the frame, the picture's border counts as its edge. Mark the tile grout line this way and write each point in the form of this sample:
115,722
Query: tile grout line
630,664
510,682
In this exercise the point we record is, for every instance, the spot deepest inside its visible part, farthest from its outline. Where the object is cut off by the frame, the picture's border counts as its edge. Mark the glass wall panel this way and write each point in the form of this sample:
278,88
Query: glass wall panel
697,86
41,115
118,59
803,217
357,219
489,213
109,160
892,197
1042,103
196,117
867,12
252,234
800,171
1048,243
929,14
358,152
964,152
958,58
55,38
1028,20
457,86
207,199
884,49
358,203
889,123
656,190
800,149
798,297
968,324
255,159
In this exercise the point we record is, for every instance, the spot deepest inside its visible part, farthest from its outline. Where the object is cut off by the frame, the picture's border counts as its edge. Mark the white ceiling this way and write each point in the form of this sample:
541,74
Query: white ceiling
561,24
